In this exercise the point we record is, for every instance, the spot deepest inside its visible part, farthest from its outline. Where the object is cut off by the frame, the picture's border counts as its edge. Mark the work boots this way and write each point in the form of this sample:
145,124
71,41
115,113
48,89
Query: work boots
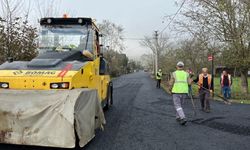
183,121
178,119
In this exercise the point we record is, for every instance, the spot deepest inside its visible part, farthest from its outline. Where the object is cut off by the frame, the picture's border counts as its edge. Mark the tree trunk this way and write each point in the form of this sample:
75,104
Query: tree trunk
244,81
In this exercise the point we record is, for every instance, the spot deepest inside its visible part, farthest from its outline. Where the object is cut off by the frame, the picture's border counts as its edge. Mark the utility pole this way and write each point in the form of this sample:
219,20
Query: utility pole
156,51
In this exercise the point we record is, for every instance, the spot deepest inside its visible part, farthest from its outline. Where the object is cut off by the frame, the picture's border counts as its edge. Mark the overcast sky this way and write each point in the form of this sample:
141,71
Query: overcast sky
138,17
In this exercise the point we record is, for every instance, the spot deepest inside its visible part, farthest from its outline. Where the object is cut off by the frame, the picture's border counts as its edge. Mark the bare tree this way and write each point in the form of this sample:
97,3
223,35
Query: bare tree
157,46
148,61
113,39
48,8
226,21
112,35
11,8
17,37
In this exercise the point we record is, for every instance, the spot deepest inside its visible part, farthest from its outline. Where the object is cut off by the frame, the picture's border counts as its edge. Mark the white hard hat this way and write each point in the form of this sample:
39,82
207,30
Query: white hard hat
180,64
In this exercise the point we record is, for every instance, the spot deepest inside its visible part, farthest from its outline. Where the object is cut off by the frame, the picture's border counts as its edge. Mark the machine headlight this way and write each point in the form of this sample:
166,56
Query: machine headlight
54,85
80,21
59,85
49,21
4,85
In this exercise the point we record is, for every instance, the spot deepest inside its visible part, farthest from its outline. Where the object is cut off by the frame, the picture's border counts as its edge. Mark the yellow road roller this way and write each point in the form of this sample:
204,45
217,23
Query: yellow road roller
57,98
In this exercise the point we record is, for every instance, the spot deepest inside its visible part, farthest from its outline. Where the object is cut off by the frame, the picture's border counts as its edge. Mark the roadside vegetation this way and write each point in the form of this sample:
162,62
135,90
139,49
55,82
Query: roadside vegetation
113,46
205,28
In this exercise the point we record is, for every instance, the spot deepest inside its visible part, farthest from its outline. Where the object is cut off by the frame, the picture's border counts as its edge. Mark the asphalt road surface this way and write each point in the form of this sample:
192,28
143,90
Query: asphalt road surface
143,118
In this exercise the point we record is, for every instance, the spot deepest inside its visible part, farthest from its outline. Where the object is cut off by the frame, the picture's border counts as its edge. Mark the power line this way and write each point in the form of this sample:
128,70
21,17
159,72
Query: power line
177,12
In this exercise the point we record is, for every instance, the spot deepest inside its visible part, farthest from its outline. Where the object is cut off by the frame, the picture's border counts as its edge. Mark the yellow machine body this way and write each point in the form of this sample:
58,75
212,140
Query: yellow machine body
87,77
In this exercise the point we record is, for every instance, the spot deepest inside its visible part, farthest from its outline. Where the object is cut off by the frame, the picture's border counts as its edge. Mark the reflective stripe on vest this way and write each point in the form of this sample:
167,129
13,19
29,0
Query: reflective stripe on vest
201,80
181,83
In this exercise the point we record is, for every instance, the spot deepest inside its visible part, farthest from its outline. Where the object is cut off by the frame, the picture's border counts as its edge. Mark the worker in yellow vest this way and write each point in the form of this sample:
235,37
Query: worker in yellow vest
205,83
179,88
158,78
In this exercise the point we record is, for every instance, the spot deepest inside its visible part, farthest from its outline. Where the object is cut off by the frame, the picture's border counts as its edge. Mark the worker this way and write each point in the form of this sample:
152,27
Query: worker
205,84
158,78
179,88
226,83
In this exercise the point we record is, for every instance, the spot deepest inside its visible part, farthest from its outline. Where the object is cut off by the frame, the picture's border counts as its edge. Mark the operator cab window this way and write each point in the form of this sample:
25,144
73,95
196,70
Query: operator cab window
66,38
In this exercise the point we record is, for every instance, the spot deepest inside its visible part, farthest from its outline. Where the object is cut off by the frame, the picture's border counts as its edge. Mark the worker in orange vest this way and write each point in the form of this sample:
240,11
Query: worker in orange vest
226,83
205,82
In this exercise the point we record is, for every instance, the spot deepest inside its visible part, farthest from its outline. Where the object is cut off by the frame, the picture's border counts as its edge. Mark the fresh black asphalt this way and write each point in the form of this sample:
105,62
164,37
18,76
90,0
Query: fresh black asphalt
143,118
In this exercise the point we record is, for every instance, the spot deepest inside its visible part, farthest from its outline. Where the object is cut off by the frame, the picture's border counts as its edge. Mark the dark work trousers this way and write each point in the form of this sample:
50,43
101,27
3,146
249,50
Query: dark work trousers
178,100
158,85
204,98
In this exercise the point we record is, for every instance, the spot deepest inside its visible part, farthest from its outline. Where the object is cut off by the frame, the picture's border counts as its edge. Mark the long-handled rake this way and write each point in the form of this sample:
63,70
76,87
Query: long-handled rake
192,101
226,101
194,116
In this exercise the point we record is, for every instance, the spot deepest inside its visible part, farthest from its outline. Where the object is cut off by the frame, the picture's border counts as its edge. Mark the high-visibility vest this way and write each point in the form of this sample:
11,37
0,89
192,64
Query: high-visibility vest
229,78
158,75
181,82
209,79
